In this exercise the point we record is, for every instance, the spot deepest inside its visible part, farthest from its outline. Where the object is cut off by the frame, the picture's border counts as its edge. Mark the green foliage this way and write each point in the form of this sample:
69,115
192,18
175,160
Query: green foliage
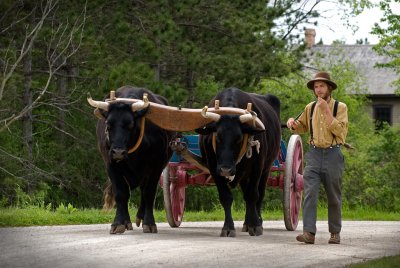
129,73
69,209
205,90
388,31
36,216
19,194
184,50
385,262
177,49
373,165
371,171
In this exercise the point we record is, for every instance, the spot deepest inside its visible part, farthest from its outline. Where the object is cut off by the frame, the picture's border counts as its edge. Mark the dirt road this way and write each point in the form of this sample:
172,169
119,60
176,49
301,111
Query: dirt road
194,245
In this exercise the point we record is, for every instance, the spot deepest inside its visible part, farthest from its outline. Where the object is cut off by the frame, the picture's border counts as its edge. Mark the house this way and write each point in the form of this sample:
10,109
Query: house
385,104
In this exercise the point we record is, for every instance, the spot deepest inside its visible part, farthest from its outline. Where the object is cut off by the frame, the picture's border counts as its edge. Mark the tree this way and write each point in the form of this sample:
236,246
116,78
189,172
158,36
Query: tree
36,46
389,37
54,52
184,42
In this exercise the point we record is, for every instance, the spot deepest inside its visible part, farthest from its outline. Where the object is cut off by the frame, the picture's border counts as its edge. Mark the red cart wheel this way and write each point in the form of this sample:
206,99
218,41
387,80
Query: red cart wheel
174,194
294,183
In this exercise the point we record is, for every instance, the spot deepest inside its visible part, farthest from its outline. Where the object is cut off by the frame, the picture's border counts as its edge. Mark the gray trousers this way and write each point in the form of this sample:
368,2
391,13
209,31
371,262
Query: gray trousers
326,166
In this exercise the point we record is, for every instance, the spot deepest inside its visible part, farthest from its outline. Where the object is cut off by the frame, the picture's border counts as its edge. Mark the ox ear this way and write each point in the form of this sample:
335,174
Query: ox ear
207,129
100,113
246,128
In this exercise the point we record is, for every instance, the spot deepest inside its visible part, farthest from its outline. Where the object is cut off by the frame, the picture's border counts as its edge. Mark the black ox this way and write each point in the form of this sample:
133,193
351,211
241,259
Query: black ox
224,156
135,152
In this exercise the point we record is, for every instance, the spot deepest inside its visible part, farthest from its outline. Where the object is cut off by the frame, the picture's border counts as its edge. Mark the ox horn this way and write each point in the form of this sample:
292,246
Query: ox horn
252,116
97,104
213,116
244,118
140,105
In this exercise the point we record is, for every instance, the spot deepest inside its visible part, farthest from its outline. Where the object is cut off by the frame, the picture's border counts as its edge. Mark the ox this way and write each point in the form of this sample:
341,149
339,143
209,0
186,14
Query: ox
135,152
222,143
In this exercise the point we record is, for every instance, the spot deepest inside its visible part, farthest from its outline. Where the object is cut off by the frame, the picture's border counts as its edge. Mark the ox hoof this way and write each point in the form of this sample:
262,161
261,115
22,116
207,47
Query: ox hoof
245,228
129,226
256,231
150,228
117,229
138,222
228,233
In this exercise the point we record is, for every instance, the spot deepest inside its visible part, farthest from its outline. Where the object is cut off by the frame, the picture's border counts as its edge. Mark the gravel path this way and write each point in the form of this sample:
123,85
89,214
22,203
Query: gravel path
194,244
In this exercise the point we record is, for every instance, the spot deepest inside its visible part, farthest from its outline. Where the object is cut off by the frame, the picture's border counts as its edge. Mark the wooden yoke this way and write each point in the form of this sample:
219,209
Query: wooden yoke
183,119
176,118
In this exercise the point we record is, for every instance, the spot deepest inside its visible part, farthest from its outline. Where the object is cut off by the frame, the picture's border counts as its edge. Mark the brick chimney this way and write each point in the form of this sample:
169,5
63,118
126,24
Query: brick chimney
310,37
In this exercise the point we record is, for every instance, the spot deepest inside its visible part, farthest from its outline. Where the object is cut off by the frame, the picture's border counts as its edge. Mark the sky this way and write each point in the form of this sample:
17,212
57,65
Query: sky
332,27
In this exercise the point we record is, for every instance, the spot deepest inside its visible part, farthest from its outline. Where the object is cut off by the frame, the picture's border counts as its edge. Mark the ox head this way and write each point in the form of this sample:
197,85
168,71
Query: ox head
229,138
123,122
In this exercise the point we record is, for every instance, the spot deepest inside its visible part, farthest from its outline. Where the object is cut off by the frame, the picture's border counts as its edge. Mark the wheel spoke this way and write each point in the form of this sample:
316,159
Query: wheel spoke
177,202
297,158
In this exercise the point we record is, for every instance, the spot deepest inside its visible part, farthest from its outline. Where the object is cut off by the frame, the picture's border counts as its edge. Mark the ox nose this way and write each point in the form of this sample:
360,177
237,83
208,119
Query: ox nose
118,154
226,172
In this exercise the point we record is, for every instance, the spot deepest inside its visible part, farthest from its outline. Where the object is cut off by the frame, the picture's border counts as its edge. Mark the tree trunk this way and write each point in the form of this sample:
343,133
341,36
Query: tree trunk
27,101
61,102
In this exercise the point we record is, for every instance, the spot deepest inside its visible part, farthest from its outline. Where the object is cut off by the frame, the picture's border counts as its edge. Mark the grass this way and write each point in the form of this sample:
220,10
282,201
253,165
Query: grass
33,216
360,214
36,216
385,262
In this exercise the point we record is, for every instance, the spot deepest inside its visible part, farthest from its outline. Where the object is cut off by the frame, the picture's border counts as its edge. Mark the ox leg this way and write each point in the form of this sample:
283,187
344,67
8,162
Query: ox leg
148,196
226,199
122,220
261,195
243,186
254,227
253,198
141,210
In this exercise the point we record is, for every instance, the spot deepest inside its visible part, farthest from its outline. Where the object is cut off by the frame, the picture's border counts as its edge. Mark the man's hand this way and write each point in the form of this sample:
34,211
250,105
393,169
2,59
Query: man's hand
322,104
325,109
291,123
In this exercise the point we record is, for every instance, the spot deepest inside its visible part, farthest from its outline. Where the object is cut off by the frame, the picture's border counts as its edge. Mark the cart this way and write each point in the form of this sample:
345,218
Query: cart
286,173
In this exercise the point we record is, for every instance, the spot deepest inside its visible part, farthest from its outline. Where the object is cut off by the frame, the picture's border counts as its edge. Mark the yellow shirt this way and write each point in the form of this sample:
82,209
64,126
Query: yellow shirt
323,134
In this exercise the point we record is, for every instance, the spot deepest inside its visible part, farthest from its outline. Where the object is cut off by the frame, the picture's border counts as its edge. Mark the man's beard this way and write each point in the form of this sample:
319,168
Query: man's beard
325,97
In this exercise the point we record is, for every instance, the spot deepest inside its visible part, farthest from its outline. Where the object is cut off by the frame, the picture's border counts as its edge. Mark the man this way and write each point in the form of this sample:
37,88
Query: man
328,127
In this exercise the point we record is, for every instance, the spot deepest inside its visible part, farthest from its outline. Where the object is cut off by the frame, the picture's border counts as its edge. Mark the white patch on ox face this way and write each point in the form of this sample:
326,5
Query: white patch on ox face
230,178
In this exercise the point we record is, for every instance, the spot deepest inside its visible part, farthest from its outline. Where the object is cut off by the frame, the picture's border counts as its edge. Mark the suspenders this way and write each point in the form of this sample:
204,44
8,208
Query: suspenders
335,107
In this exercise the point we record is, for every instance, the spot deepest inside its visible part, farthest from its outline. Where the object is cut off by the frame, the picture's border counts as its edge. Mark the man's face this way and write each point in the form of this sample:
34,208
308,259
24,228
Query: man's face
321,89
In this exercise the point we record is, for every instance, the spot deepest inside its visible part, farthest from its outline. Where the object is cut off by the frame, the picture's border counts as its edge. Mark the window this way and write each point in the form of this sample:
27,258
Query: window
382,113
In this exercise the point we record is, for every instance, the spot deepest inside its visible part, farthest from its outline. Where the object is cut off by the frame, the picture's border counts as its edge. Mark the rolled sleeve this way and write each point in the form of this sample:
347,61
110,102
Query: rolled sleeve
302,122
338,126
300,128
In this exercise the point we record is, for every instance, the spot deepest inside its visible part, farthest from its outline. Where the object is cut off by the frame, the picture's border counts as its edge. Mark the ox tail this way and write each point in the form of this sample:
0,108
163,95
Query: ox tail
109,200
